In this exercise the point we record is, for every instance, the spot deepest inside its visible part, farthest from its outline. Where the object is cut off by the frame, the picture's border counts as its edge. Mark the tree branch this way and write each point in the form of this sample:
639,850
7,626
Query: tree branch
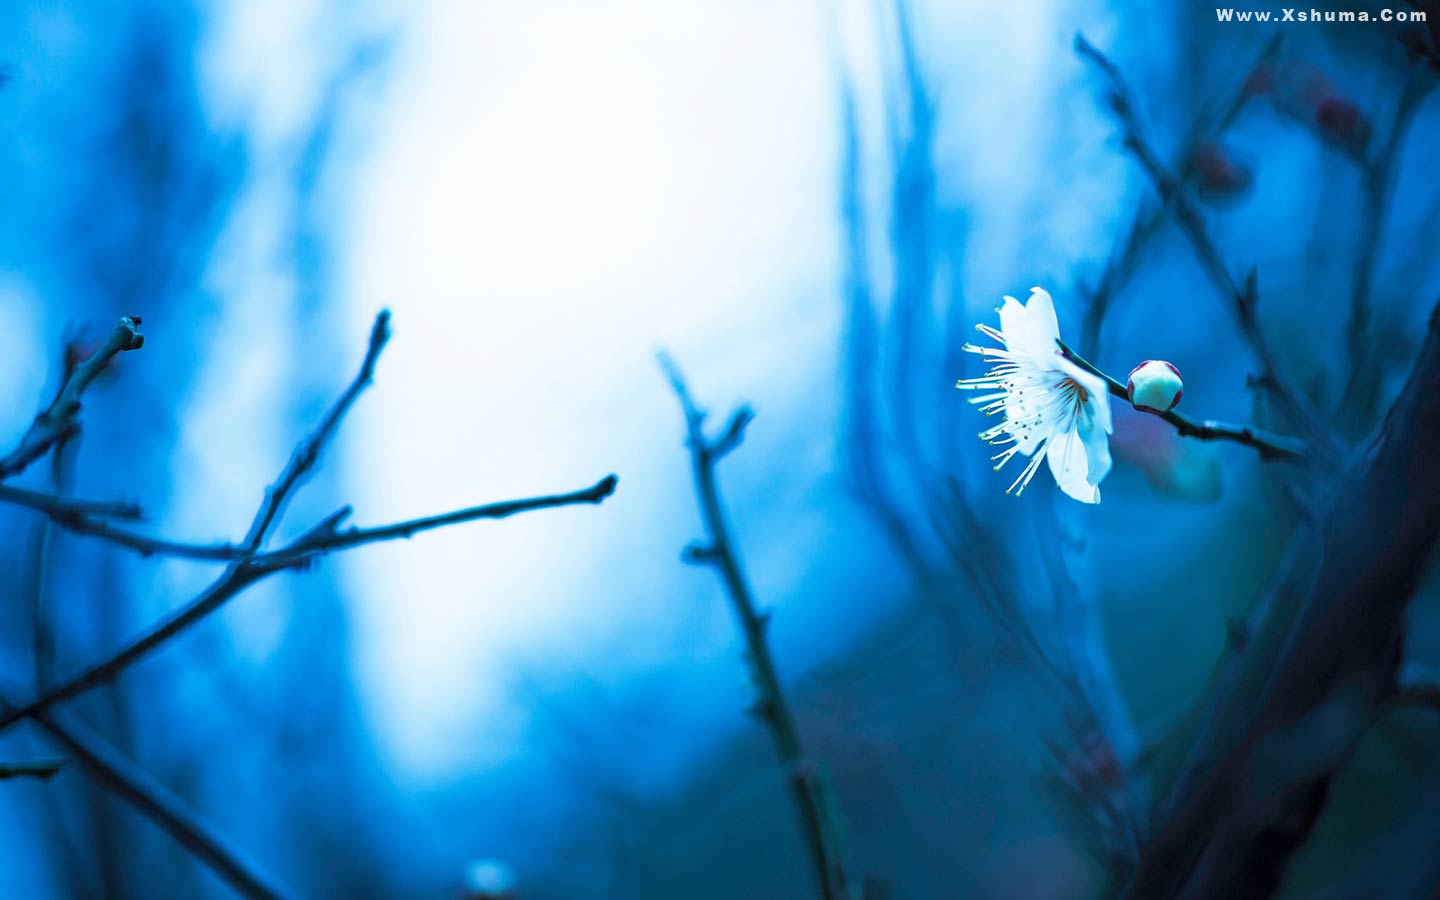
1269,446
1245,299
44,769
770,705
1124,258
62,508
61,418
1379,174
325,537
1257,775
156,803
248,565
307,453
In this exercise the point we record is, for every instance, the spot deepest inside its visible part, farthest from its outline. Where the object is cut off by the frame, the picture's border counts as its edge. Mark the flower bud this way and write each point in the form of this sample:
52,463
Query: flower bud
1155,385
1219,175
1342,122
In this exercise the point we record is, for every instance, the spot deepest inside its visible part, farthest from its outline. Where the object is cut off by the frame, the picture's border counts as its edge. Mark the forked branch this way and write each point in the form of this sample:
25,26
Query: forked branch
250,564
1244,298
61,417
770,706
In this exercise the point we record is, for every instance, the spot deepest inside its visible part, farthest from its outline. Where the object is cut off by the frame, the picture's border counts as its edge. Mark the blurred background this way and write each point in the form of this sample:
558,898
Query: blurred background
809,205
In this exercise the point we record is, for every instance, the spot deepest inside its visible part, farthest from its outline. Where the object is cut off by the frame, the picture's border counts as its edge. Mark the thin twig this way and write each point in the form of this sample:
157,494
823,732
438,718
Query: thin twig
307,453
248,565
1148,218
1379,174
241,573
60,418
62,508
321,540
156,803
43,632
43,769
246,572
1269,446
325,540
1245,298
770,705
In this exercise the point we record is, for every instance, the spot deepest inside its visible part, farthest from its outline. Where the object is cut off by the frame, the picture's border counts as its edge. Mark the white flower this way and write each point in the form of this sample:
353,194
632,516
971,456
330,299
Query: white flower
1053,409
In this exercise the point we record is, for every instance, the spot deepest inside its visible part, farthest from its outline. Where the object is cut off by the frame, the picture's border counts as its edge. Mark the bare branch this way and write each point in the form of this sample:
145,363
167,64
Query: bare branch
44,769
734,432
319,543
307,453
156,803
248,565
60,419
1126,256
1244,299
1269,446
248,570
62,508
1322,667
770,706
1380,174
325,536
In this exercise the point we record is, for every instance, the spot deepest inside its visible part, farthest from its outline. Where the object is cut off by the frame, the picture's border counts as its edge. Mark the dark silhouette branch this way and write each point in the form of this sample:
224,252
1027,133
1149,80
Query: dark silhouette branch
156,803
249,565
770,706
1379,174
1269,446
1245,298
1258,774
44,769
1148,218
307,453
326,536
65,508
61,417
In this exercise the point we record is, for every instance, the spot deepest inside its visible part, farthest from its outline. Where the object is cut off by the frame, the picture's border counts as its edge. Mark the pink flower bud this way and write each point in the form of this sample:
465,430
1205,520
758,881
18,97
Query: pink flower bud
1218,174
1341,121
1155,385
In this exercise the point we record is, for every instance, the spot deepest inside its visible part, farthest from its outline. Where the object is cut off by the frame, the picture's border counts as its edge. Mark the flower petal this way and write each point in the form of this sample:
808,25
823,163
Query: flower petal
1070,465
1096,442
1094,386
1042,316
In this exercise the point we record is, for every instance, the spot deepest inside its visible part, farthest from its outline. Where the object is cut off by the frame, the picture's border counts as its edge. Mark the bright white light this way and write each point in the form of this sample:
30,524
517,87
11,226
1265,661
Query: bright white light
557,191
